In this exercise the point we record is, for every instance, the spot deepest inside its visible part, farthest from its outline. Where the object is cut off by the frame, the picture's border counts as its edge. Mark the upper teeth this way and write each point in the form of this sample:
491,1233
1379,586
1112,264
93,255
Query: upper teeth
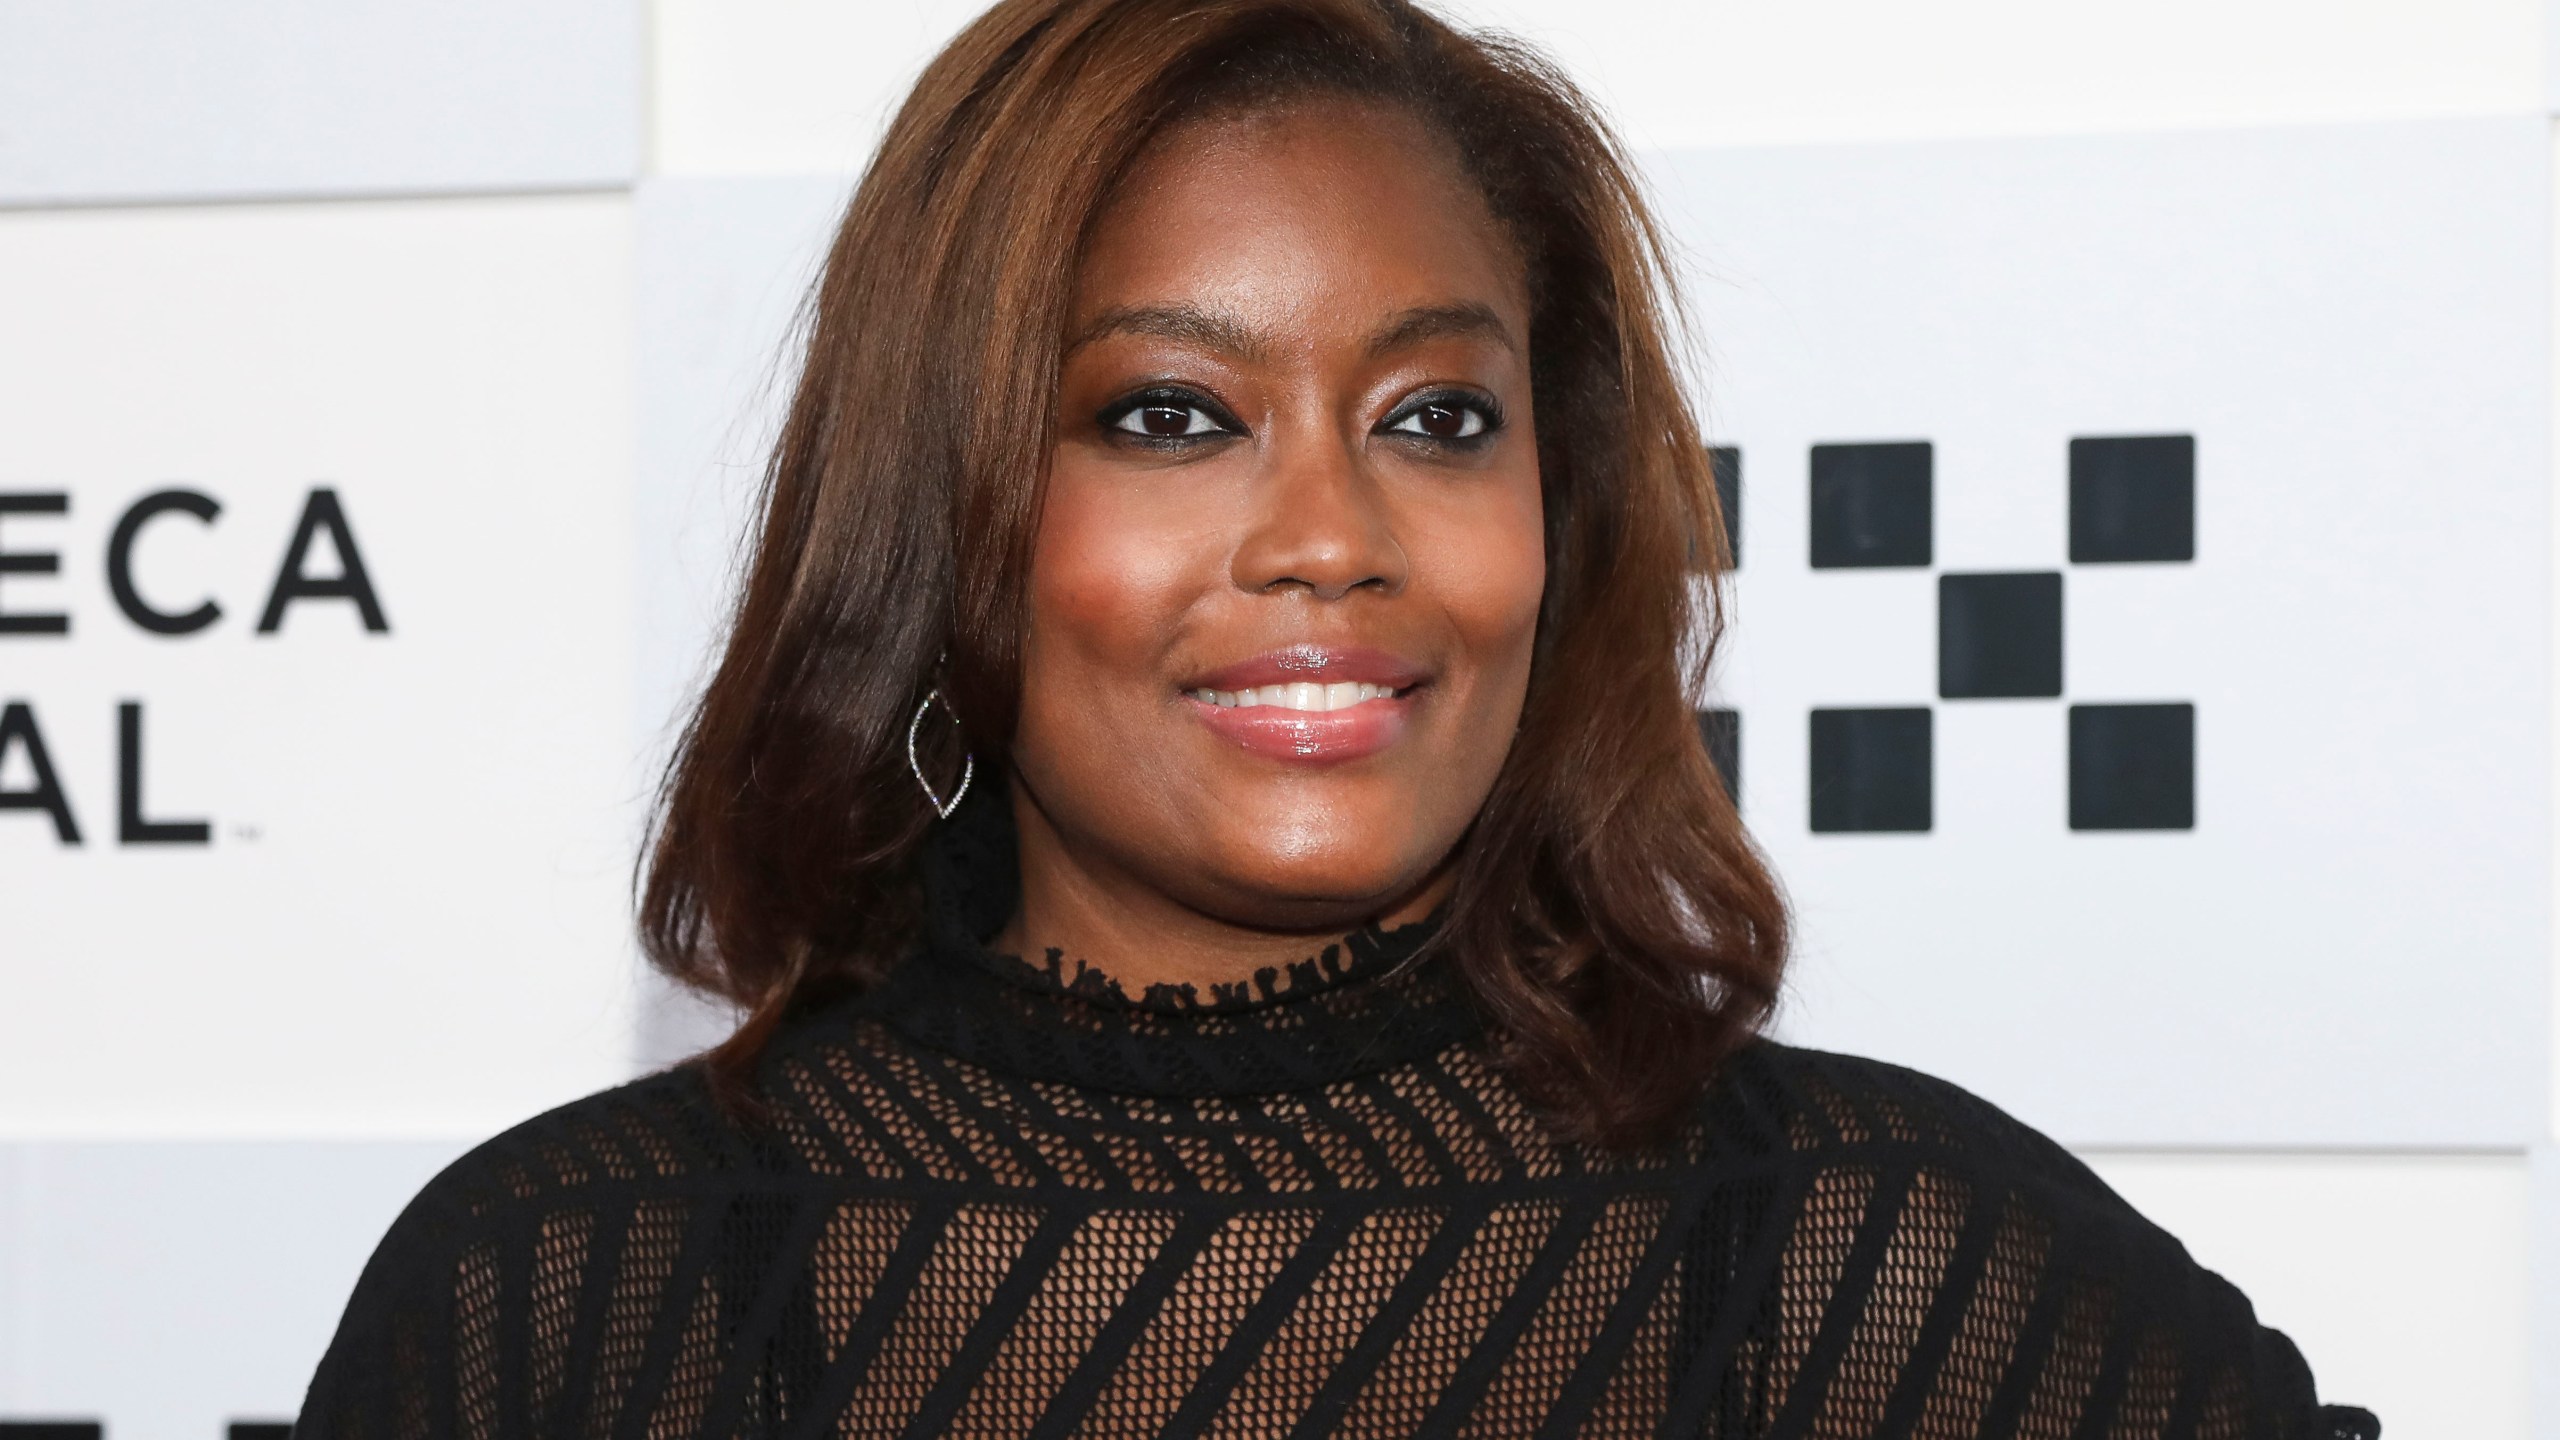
1303,695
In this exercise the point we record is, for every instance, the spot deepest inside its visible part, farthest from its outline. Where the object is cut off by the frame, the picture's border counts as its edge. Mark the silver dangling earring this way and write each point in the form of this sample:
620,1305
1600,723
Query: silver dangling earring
968,763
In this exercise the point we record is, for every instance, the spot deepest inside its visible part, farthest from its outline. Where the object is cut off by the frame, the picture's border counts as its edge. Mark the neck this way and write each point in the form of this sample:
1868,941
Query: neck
1076,899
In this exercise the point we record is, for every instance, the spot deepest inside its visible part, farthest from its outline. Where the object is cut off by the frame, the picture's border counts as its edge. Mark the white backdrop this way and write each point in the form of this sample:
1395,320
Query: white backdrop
513,293
2349,947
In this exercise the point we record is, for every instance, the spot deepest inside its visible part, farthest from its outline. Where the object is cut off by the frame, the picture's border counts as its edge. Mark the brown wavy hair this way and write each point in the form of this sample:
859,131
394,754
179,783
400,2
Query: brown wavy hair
1611,917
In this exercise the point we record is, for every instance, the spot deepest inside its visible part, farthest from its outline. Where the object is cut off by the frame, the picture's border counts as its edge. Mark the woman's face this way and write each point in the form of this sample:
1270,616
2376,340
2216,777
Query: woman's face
1287,577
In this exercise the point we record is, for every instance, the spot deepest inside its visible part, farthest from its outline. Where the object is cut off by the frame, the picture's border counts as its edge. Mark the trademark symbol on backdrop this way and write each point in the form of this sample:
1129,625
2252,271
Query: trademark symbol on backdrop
29,780
1872,506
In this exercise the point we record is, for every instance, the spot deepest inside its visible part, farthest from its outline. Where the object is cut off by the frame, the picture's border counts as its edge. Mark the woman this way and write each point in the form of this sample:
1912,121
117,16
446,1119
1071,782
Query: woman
1232,544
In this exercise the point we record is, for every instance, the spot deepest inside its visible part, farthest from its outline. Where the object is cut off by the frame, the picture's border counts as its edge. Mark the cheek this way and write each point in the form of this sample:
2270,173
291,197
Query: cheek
1492,564
1109,580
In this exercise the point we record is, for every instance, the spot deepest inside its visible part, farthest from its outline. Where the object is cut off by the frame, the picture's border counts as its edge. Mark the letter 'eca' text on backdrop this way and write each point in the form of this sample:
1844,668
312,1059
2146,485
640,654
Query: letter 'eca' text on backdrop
29,781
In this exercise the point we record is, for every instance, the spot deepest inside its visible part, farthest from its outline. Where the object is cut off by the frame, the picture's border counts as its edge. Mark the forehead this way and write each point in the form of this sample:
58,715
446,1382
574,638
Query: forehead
1327,208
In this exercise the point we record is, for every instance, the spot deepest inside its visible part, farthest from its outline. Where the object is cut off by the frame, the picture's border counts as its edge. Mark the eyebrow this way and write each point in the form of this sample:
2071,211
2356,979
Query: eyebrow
1438,322
1213,330
1191,323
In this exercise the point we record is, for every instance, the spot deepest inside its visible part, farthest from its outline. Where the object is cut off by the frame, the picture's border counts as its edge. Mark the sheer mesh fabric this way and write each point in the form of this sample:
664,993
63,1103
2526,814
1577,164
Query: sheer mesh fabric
996,1199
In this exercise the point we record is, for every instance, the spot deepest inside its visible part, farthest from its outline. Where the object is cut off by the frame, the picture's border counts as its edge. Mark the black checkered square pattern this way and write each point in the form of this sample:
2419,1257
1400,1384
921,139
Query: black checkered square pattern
1871,505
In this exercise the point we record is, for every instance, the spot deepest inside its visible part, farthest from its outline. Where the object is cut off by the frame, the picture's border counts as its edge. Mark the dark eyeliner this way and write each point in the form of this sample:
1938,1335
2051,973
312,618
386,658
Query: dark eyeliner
1170,397
1456,398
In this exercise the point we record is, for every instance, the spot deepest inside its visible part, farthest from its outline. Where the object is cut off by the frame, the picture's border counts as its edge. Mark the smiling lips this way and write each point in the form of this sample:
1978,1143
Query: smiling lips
1308,704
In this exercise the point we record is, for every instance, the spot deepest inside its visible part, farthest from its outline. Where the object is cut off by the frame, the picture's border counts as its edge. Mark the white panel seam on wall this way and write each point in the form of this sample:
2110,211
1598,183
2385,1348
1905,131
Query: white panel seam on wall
2551,56
391,196
142,99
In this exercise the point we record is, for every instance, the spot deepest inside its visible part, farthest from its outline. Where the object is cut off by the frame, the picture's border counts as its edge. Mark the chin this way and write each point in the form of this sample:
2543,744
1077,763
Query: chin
1316,887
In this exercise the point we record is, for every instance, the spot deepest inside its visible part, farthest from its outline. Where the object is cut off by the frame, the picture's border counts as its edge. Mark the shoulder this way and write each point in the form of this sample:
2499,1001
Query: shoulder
1834,1119
660,1132
1808,1100
532,1193
1937,1203
660,1129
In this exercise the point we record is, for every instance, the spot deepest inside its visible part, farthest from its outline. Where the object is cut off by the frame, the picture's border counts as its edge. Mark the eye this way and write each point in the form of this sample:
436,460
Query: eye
1446,418
1168,420
1167,415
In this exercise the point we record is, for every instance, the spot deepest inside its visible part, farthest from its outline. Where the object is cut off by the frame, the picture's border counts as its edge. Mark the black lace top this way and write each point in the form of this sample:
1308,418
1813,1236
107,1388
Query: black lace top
999,1199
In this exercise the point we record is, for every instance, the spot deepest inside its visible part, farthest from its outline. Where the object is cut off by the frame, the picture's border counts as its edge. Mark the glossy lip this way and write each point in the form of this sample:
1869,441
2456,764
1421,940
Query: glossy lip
1312,737
1321,664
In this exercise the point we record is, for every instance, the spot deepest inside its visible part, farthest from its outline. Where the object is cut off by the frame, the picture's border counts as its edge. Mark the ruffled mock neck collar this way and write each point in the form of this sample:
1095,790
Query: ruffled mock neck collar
1374,1000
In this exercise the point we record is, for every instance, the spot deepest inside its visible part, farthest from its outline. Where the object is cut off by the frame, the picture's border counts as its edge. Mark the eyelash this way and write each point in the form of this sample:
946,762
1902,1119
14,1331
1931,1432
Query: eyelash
1167,397
1485,408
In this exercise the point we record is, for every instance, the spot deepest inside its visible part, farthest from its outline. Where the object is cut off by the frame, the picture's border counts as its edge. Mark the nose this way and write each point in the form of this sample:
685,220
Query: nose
1320,521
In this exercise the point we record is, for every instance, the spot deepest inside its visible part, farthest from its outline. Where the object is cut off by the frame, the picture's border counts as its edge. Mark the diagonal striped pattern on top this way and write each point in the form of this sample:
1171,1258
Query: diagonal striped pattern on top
991,1199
